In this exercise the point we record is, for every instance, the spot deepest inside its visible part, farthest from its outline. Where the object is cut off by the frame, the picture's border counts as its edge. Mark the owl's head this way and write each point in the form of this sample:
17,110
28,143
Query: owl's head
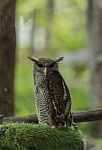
45,65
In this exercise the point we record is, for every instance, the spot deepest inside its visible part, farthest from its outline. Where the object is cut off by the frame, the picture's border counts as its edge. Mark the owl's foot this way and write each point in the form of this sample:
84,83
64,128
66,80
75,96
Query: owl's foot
64,120
61,120
69,121
58,121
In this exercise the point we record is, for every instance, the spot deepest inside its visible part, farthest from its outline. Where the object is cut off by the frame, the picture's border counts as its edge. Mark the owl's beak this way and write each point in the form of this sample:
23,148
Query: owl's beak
45,71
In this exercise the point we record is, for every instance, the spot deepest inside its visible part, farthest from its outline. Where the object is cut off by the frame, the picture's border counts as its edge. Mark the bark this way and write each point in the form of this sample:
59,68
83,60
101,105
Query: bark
33,29
7,56
95,44
49,10
96,57
85,116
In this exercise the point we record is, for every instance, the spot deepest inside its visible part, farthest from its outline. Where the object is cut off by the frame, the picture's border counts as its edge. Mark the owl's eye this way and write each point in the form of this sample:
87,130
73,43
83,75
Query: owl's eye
52,65
40,65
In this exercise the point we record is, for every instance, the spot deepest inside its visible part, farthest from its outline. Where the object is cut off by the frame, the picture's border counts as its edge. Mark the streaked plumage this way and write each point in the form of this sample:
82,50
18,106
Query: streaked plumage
52,95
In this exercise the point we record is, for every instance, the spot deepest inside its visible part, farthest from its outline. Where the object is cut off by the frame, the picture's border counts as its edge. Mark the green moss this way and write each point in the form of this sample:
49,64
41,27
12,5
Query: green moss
24,136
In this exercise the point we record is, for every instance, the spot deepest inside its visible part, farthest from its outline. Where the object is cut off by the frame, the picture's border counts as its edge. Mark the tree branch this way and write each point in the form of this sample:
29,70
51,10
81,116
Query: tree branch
84,116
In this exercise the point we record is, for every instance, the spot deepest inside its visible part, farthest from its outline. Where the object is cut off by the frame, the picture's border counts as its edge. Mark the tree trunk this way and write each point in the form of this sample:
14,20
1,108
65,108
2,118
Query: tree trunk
32,33
7,56
49,10
89,14
95,43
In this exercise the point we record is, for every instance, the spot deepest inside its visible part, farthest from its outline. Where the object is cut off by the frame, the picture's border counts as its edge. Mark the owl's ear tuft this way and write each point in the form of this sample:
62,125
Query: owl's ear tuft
35,60
59,59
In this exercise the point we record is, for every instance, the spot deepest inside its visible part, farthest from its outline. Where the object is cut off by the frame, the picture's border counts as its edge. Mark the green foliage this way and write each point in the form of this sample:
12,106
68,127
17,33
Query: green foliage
69,33
68,25
80,98
24,93
23,136
26,8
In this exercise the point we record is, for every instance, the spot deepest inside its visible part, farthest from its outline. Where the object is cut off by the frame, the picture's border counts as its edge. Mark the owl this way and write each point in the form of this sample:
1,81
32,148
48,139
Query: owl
52,96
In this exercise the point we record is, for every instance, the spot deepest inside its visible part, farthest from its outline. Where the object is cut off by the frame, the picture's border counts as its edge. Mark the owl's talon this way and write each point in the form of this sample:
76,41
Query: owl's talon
69,121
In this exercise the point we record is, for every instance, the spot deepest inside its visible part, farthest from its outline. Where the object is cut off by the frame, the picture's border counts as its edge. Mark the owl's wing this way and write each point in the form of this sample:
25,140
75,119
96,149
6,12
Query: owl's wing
66,98
60,93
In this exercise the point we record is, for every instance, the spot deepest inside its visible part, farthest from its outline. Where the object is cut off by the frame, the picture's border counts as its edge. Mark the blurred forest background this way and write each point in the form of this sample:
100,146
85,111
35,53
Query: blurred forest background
51,29
54,28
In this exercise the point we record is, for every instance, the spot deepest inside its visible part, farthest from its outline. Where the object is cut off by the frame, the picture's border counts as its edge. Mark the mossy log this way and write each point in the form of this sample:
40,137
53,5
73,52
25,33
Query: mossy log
26,136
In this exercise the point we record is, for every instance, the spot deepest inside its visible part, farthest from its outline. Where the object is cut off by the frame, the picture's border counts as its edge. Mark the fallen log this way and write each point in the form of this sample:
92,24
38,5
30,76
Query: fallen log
82,116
